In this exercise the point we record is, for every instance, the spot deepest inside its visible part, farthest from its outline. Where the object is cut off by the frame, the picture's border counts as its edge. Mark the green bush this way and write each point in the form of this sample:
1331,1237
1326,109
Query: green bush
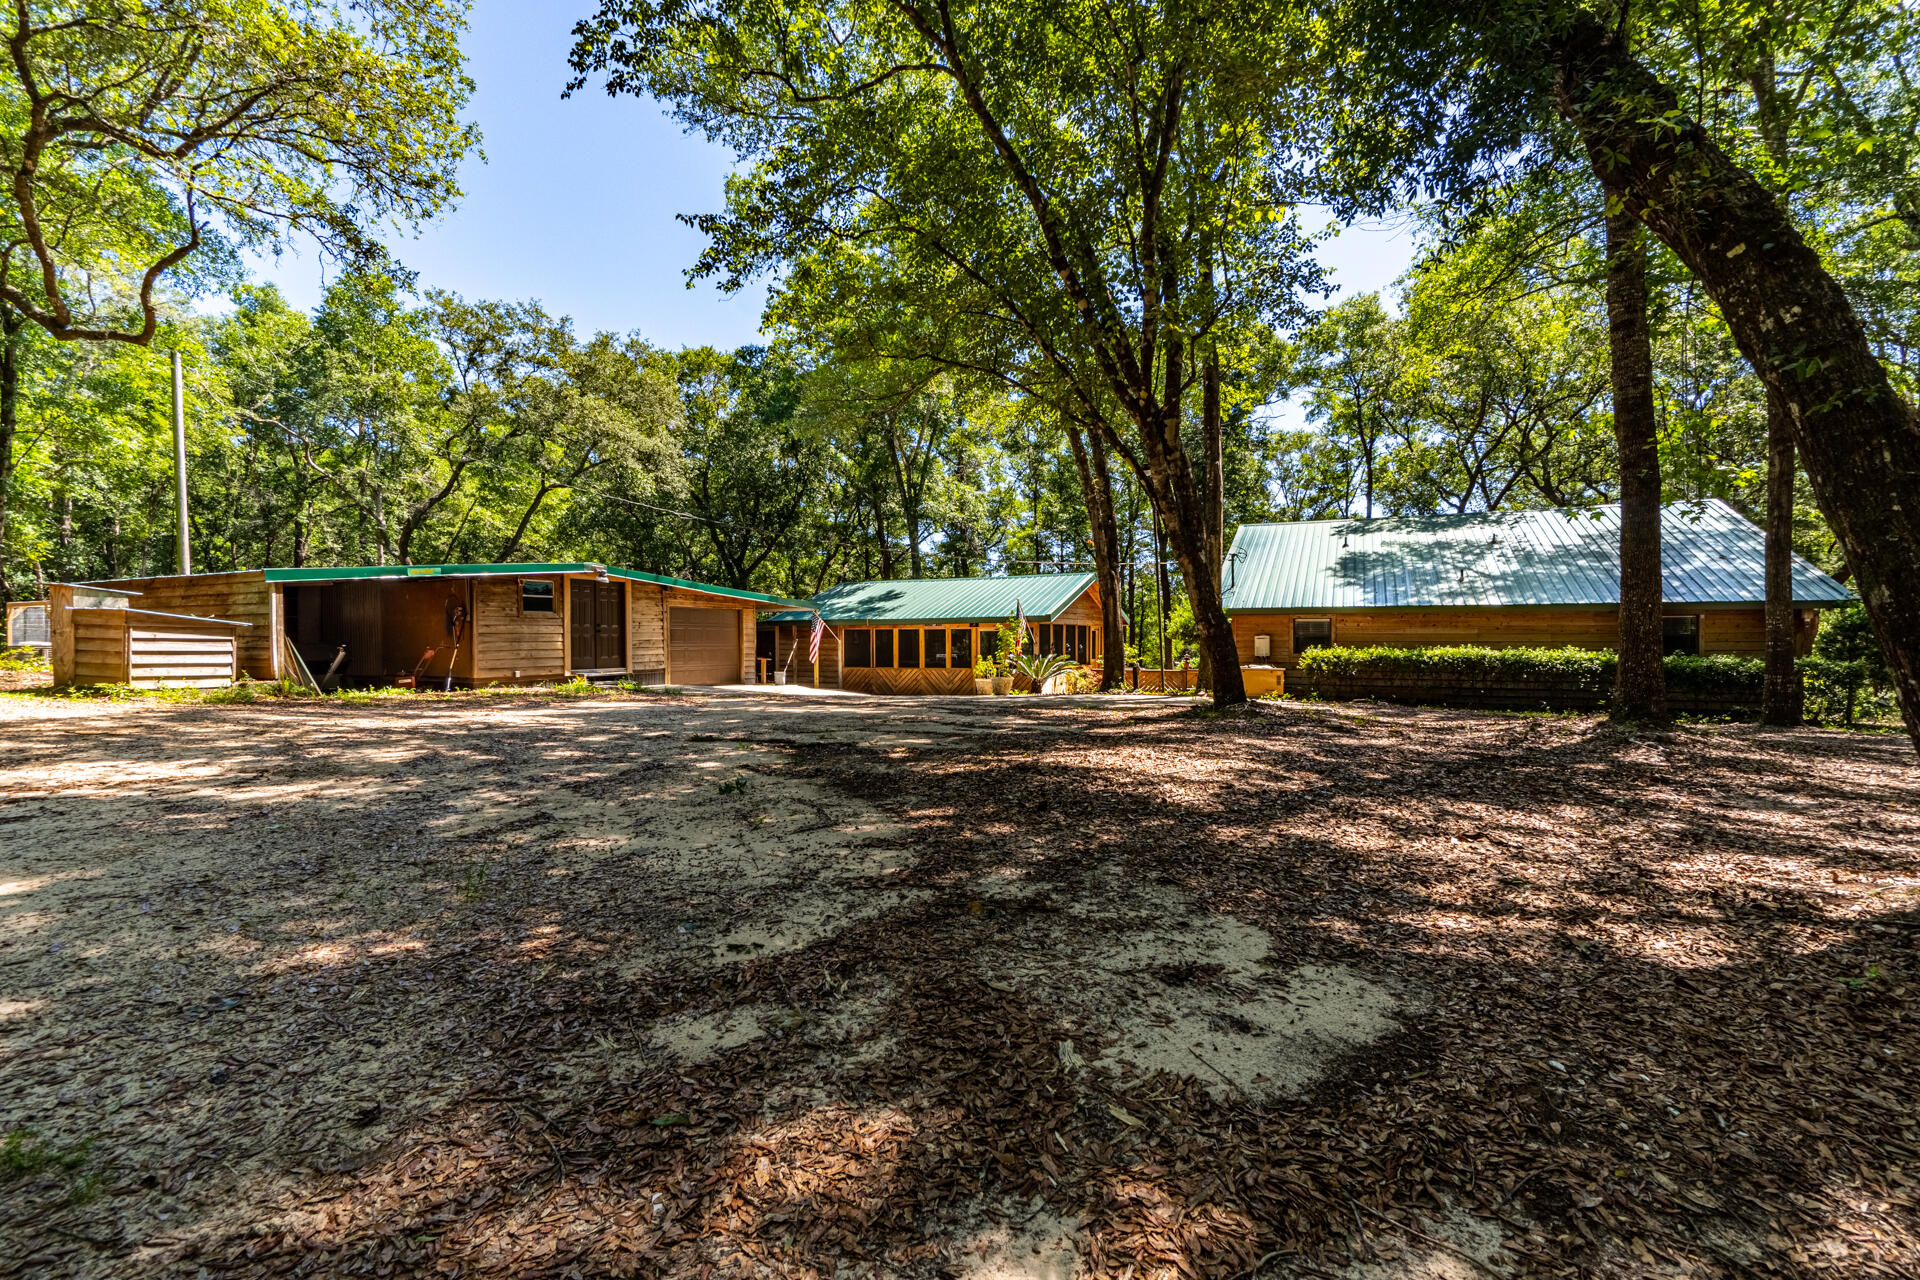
22,659
1837,691
1843,692
1583,668
1719,675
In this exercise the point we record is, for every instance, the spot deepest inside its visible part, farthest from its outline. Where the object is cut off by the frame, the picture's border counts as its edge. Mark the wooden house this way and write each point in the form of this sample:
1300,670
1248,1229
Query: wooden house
483,623
1546,578
922,635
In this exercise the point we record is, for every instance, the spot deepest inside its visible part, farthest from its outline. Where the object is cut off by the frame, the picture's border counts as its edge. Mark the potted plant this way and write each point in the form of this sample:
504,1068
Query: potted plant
1046,671
1007,655
983,675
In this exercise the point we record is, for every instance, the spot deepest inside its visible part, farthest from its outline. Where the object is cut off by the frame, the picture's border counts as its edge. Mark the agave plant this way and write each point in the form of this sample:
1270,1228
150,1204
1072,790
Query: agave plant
1041,668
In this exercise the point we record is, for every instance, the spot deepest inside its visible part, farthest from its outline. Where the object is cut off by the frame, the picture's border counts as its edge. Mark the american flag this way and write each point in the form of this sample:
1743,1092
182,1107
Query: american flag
813,641
1021,615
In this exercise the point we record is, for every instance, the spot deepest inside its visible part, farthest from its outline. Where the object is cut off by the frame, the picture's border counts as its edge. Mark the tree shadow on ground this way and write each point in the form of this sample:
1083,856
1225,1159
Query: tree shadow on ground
1654,1012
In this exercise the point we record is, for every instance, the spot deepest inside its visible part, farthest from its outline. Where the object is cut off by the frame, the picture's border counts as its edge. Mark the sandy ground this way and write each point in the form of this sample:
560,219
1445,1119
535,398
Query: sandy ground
996,989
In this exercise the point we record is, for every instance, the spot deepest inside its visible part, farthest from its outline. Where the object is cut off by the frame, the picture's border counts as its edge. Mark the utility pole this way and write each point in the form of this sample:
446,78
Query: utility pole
180,463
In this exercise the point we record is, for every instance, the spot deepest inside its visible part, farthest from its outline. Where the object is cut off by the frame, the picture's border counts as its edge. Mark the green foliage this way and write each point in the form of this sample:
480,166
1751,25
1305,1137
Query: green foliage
22,660
1846,635
983,668
1011,646
1584,668
1042,667
147,136
1846,692
23,1155
1837,691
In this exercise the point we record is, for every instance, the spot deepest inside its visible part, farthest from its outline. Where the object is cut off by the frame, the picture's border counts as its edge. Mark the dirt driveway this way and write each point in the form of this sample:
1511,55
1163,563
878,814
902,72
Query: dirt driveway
739,985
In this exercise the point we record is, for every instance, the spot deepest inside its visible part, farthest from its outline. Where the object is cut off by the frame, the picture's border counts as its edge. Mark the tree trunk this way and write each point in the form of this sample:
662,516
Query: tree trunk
11,324
880,537
1098,488
1216,495
1178,499
1640,683
1859,442
1781,694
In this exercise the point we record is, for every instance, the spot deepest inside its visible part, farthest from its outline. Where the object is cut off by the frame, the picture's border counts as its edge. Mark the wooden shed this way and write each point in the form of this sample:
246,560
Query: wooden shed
1502,579
468,625
922,635
100,638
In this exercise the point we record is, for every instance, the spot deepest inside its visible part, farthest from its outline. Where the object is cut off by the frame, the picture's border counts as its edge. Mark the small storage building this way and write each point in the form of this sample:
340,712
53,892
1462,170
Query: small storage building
1503,579
100,637
922,635
473,624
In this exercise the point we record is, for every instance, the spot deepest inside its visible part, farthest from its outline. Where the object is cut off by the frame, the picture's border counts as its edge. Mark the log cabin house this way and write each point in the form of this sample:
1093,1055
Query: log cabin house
1502,579
922,635
484,623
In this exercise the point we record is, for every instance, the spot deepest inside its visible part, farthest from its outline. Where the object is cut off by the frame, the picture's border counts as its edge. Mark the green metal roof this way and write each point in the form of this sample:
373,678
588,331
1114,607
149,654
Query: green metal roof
402,572
1709,554
1042,595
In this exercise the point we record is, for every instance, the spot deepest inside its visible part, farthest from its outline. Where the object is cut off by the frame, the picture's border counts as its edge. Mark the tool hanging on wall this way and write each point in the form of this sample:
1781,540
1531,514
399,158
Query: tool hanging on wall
459,621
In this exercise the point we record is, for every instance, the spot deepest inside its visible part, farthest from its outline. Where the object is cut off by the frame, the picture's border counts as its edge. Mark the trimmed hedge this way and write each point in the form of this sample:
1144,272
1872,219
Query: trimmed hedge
1583,666
1836,692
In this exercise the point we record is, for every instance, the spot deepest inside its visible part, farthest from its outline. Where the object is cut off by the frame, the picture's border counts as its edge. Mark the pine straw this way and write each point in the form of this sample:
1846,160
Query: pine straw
1665,1024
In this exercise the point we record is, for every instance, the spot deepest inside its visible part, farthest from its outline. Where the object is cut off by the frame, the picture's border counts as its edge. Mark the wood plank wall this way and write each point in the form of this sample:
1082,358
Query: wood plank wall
243,596
647,616
906,680
167,655
791,636
506,641
99,647
1740,631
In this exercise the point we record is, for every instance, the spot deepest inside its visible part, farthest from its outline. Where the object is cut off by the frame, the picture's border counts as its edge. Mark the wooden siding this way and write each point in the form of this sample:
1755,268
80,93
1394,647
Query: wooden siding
791,636
122,646
99,647
162,655
245,596
648,612
510,645
1721,630
906,680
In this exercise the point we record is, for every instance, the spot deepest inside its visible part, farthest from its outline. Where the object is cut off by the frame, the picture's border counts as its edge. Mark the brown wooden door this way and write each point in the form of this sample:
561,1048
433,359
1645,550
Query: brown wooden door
705,646
598,625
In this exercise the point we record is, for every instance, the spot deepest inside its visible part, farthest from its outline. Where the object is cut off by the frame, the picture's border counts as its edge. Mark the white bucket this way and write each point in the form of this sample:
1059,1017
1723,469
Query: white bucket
779,677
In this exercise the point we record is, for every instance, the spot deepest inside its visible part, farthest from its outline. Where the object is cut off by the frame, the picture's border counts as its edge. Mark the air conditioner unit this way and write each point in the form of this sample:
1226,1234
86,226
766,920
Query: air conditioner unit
1263,646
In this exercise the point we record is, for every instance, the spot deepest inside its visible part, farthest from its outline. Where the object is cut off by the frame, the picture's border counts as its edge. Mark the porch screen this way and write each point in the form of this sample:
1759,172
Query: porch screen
909,647
962,648
860,648
883,648
936,647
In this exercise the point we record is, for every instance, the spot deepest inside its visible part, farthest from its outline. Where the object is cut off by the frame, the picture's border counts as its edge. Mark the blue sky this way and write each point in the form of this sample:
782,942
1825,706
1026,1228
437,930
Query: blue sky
574,205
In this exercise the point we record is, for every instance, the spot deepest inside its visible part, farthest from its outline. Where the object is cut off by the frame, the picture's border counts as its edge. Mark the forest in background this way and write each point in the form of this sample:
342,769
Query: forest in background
400,423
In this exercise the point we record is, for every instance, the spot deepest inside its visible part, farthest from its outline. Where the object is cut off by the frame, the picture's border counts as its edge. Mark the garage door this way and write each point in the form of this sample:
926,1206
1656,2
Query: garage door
706,646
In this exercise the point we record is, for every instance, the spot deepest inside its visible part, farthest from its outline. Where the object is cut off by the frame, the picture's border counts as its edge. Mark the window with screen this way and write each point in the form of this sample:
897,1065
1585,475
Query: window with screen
936,646
909,647
1680,635
883,648
536,595
859,648
962,648
989,642
1312,633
